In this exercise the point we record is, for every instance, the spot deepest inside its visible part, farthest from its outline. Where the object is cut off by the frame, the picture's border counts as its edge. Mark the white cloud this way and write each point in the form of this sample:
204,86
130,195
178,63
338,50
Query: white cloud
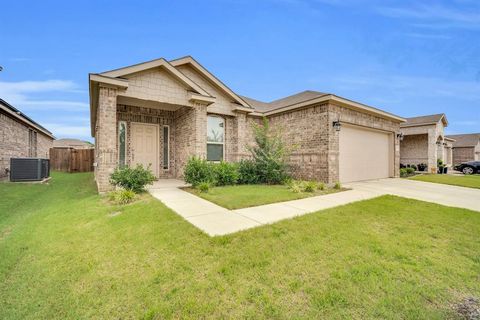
443,15
60,130
20,94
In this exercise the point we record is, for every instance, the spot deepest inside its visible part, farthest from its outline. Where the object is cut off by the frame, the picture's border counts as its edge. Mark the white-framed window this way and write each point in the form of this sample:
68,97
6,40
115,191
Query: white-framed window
122,143
166,147
215,138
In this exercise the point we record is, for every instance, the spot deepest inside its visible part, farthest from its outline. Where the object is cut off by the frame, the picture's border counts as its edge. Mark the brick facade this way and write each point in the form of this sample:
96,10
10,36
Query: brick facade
414,149
463,154
155,97
14,142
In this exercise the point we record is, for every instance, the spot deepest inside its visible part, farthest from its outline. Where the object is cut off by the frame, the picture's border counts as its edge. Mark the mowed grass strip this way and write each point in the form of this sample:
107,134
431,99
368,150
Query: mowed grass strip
243,196
65,253
469,181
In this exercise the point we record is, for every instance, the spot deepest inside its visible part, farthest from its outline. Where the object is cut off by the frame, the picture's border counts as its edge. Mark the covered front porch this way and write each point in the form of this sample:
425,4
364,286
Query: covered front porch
426,148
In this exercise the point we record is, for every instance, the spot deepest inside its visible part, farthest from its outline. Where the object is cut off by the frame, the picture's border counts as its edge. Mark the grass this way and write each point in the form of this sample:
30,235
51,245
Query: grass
67,254
470,181
243,196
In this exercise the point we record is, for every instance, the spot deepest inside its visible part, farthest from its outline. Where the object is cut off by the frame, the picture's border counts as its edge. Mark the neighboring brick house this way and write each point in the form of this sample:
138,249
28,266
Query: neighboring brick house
424,141
160,113
20,136
466,147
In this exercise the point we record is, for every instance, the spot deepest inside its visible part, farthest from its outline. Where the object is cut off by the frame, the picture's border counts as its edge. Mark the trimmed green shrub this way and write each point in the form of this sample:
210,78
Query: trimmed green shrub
337,186
269,154
123,196
198,170
309,186
414,167
225,173
321,186
204,187
403,172
295,186
247,172
134,179
410,171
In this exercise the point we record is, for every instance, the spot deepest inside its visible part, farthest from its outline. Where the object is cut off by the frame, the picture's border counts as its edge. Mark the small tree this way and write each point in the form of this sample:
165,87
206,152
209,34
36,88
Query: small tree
269,154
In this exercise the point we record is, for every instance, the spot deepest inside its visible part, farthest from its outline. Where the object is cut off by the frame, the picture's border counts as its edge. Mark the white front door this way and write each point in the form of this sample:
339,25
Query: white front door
144,146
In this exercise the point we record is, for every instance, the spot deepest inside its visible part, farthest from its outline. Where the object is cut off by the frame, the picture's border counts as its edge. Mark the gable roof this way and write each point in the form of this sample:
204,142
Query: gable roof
425,120
207,74
285,102
157,63
17,114
465,140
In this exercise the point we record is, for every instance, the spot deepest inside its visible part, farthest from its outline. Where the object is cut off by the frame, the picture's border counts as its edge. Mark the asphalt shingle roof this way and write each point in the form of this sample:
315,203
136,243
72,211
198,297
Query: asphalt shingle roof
422,120
465,140
283,102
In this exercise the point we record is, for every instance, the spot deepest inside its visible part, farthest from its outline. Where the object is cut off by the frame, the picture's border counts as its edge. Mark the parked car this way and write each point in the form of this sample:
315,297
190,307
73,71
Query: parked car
470,167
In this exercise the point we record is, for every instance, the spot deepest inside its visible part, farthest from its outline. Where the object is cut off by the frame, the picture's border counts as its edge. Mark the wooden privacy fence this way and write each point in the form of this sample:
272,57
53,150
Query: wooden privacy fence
71,160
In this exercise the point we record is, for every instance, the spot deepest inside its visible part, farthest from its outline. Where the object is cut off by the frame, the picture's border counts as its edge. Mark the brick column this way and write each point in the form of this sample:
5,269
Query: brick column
396,156
200,123
333,153
240,132
106,137
432,151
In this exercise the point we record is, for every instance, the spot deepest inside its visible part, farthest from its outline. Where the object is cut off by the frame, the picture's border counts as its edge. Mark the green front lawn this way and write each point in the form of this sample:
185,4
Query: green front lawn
66,254
470,181
242,196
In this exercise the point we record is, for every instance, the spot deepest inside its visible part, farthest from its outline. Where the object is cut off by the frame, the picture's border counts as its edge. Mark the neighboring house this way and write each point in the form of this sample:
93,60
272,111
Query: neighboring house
20,136
161,112
72,143
466,147
424,141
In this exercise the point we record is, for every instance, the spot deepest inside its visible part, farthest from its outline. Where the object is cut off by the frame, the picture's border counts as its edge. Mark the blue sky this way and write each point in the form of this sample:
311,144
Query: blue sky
407,57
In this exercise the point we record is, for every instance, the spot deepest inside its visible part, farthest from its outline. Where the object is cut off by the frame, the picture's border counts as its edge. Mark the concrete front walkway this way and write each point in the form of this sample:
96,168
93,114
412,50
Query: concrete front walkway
215,220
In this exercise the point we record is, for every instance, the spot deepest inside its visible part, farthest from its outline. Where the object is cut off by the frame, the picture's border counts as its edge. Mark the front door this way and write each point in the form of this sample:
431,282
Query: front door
144,146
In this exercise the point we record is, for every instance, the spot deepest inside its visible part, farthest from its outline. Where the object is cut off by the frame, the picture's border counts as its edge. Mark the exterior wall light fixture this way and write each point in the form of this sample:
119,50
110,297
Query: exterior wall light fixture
337,125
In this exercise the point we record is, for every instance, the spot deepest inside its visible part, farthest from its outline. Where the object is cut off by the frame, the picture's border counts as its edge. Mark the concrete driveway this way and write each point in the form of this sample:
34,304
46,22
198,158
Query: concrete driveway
443,194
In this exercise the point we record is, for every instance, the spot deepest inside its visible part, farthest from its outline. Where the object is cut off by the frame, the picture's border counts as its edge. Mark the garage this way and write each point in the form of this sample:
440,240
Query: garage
364,154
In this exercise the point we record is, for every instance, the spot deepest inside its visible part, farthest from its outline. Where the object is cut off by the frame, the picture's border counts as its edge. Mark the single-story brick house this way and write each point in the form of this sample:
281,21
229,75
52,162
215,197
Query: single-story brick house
424,141
20,137
466,147
163,112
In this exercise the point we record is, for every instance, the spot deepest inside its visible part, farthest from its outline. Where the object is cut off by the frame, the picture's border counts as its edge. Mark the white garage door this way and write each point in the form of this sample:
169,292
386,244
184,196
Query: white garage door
364,154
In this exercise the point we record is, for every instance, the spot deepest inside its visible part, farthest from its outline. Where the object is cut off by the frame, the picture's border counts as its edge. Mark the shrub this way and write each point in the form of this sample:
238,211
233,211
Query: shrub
225,173
122,196
321,186
295,186
410,171
247,172
403,172
197,171
337,186
134,179
422,166
414,167
309,186
204,187
269,154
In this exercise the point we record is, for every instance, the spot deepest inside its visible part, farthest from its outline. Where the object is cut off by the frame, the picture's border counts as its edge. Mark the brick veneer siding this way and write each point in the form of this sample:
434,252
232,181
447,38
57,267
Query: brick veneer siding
315,141
14,137
190,135
159,117
414,149
106,138
463,154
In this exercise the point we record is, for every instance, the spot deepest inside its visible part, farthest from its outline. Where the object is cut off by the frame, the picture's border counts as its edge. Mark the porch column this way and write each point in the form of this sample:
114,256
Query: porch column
432,151
106,137
200,119
240,129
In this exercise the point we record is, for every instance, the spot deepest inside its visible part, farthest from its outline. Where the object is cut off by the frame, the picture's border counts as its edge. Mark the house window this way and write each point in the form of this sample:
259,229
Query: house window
215,138
122,143
166,147
32,143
